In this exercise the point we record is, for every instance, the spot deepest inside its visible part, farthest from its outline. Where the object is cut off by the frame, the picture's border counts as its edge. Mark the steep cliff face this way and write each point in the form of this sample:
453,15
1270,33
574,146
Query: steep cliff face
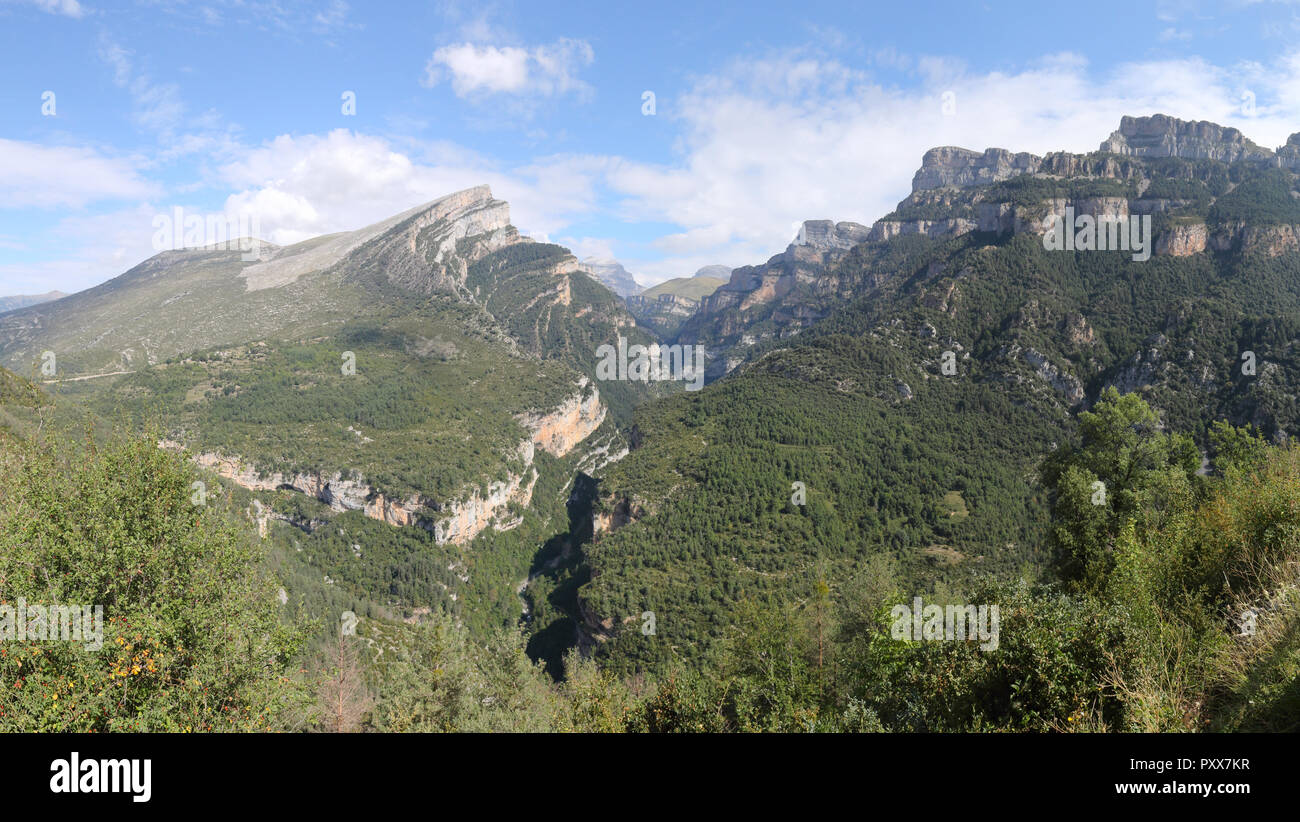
885,230
663,314
338,493
758,293
960,167
1164,136
558,431
430,249
454,521
417,249
469,517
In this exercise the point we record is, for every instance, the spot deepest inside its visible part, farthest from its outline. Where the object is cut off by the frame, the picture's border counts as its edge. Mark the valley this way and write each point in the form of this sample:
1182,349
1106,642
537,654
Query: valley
416,422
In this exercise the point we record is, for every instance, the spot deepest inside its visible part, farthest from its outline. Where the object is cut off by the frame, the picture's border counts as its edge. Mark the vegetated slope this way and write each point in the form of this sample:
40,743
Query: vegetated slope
409,388
692,288
929,471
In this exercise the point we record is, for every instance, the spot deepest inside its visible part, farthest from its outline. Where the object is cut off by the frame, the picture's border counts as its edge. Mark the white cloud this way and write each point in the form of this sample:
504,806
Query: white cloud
305,186
33,175
66,8
479,69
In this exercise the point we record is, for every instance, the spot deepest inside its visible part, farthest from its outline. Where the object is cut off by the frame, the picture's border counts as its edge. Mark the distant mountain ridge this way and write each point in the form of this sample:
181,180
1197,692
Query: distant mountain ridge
612,273
24,300
667,305
1188,175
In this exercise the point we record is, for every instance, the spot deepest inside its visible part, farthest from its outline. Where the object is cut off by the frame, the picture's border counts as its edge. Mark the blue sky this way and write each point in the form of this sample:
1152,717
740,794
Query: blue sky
766,114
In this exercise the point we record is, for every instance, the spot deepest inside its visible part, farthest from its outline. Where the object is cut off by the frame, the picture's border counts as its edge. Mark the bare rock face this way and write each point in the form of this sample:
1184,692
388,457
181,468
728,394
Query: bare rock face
469,517
1164,136
418,247
429,249
1007,218
663,314
558,431
1272,240
1288,156
612,274
885,230
1183,240
1062,381
950,166
824,235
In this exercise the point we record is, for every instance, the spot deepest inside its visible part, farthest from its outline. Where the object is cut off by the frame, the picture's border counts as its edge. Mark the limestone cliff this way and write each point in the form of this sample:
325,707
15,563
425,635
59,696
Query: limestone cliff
1164,136
960,167
458,520
559,430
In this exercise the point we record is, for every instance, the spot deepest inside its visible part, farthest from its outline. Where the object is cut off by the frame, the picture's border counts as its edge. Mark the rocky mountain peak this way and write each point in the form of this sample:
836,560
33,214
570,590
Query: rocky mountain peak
1163,136
467,213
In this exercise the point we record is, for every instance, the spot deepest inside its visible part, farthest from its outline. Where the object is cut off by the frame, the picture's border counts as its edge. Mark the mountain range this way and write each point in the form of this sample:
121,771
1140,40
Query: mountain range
412,415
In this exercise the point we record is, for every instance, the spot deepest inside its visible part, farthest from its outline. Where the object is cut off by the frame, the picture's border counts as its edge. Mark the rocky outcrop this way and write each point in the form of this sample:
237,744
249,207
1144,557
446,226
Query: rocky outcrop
1063,382
824,235
663,314
1183,240
1164,136
456,521
1008,218
334,490
885,230
419,248
1271,240
949,166
429,249
558,431
614,514
1288,156
469,517
1119,157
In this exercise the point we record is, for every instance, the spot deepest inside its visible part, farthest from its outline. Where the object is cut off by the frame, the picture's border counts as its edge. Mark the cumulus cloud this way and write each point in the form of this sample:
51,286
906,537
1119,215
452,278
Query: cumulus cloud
478,69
